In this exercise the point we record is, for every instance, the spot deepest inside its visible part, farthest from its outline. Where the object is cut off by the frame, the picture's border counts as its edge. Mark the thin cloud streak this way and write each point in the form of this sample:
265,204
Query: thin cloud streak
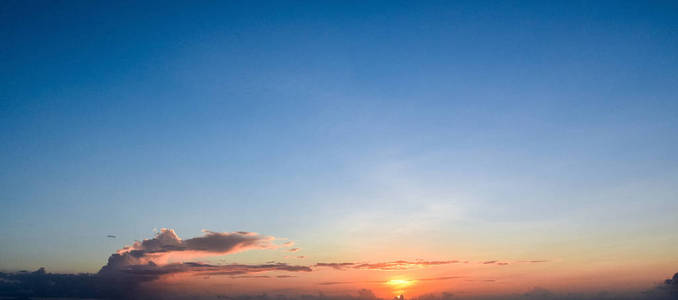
386,266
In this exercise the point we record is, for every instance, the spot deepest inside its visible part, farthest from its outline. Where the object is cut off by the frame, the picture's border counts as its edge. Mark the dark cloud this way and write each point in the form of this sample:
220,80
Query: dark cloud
362,294
234,269
335,282
26,285
366,294
152,271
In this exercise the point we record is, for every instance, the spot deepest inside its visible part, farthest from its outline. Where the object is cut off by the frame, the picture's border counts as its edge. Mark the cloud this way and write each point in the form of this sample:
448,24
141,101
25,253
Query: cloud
166,254
129,268
167,245
294,249
402,265
335,282
152,271
112,236
349,282
673,281
25,285
246,269
386,266
481,280
252,276
40,284
337,266
440,278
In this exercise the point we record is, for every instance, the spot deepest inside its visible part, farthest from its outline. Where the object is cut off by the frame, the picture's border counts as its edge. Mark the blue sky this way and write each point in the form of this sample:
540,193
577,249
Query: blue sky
337,123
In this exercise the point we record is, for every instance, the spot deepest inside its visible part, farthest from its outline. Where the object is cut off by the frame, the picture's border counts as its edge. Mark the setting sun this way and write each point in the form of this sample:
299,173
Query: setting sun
339,150
399,285
400,282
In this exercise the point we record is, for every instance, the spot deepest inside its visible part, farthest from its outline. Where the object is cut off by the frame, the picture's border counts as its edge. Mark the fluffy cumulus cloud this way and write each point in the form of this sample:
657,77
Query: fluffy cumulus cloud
148,260
167,254
166,246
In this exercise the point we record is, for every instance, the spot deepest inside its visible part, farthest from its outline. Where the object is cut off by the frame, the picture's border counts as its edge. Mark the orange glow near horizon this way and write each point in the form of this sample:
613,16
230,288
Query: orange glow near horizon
399,285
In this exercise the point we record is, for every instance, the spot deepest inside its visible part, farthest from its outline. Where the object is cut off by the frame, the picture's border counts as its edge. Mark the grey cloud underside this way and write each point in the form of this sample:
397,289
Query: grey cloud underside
139,257
213,242
152,271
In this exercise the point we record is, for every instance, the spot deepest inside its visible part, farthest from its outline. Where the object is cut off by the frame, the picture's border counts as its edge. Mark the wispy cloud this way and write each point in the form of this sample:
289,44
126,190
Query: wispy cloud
440,278
337,266
386,266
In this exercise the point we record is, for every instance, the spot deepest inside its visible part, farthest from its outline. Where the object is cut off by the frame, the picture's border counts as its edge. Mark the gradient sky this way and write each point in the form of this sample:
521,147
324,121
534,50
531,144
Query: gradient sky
361,130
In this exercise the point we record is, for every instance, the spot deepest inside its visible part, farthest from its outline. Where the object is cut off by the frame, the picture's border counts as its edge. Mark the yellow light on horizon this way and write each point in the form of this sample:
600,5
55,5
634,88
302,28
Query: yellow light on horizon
399,285
400,282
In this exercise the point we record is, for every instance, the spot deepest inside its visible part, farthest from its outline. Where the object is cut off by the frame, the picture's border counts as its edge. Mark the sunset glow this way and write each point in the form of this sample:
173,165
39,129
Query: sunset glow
339,150
400,286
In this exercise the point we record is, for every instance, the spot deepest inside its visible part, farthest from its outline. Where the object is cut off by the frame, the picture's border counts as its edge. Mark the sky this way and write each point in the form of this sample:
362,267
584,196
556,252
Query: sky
538,136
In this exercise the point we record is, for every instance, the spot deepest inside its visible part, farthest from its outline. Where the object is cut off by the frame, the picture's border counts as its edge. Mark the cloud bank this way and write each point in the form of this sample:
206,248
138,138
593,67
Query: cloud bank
166,254
40,284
